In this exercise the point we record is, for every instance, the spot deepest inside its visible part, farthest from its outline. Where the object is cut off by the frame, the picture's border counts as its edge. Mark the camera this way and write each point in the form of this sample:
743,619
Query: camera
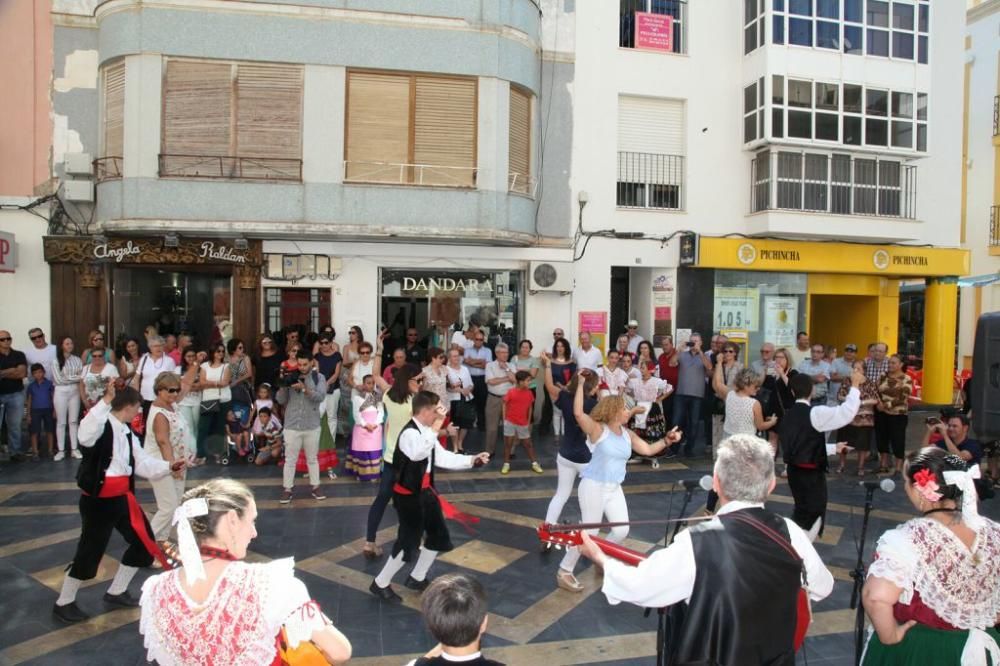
289,377
689,344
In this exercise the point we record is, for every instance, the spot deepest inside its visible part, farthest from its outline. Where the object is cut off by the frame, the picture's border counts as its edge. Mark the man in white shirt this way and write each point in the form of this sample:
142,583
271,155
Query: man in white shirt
41,351
746,549
801,350
500,378
587,355
819,371
417,504
464,340
633,336
613,377
476,357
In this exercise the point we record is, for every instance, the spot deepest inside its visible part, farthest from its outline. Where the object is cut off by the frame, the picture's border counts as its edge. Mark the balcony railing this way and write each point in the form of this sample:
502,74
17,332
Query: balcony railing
996,115
835,184
521,183
230,167
995,226
632,31
650,180
107,168
396,173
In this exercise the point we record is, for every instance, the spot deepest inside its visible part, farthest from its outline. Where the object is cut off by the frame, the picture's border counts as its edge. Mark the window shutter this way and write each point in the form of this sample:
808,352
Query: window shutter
269,119
444,131
378,127
648,130
519,142
197,117
114,110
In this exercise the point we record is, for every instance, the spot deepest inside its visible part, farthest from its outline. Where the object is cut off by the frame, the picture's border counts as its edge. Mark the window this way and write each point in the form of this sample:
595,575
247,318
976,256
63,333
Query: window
754,19
628,21
650,153
293,307
411,129
519,141
753,111
113,103
777,102
203,136
812,111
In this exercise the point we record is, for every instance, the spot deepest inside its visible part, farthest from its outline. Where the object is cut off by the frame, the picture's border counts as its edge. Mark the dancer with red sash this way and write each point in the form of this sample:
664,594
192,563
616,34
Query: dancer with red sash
112,456
421,511
739,574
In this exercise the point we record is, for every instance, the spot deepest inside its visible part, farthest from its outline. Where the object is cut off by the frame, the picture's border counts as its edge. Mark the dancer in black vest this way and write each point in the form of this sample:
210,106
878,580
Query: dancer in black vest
414,497
740,585
802,433
454,608
112,456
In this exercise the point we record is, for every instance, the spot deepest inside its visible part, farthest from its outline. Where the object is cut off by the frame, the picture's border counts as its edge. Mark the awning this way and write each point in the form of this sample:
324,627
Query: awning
979,280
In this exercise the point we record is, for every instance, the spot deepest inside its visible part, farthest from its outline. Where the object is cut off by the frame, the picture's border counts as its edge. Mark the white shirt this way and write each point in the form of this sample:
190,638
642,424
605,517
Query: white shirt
458,338
647,585
494,371
588,358
828,419
633,343
46,356
616,379
418,444
91,429
453,659
458,376
149,369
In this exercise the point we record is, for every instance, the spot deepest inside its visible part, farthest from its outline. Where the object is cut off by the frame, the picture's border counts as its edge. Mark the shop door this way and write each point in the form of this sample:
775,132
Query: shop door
297,307
620,295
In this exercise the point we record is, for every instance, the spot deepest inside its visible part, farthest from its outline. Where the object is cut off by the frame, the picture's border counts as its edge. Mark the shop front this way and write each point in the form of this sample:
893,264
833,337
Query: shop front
766,290
206,287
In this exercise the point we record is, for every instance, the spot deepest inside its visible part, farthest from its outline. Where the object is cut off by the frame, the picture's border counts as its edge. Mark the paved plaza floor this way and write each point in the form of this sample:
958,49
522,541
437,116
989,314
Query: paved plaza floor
532,621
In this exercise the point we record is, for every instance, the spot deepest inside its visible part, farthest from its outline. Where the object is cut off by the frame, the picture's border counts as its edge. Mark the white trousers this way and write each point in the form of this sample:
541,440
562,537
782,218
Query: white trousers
66,400
168,492
331,407
568,471
597,500
301,440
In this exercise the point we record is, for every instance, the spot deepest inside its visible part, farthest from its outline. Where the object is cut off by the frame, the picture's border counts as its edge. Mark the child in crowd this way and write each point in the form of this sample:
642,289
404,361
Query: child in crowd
264,398
364,459
238,427
41,411
454,608
267,432
517,407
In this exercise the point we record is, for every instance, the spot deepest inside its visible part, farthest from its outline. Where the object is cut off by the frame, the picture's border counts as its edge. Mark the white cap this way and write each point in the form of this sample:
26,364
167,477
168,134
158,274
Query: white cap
633,322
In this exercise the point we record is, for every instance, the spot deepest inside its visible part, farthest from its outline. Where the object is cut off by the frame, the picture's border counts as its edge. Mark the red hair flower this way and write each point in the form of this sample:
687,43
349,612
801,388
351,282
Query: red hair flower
926,484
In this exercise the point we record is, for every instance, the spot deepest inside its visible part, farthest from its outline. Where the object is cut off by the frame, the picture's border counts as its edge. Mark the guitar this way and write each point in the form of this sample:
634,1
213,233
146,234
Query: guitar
569,535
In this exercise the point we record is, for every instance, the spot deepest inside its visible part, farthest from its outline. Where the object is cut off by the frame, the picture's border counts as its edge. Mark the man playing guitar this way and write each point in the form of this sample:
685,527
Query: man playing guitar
739,574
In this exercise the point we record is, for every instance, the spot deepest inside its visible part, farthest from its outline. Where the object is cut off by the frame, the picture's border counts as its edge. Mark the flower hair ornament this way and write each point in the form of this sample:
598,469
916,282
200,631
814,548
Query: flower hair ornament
926,484
194,569
966,482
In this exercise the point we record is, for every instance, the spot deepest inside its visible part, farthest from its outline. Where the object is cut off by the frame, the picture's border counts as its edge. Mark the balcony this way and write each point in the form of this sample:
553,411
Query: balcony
995,230
833,184
230,167
397,173
653,25
649,180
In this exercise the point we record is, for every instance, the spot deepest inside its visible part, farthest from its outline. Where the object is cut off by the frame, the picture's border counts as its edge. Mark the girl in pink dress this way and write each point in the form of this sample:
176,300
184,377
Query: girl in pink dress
364,460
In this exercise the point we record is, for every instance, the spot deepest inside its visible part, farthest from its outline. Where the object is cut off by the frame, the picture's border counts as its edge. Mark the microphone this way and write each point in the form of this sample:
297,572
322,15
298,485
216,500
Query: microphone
887,485
691,484
705,482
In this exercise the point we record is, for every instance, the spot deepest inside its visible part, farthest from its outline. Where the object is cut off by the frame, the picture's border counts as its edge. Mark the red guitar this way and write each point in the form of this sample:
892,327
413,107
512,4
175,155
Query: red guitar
569,535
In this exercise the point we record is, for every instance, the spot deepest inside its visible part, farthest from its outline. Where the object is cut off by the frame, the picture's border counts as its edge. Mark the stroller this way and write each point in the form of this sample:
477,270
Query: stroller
231,452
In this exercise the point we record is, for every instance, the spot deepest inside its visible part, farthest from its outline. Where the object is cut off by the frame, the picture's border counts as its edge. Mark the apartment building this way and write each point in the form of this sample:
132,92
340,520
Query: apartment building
778,165
980,169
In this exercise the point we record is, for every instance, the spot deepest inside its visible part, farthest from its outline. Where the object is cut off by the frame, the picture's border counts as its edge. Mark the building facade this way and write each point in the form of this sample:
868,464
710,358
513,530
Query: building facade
981,169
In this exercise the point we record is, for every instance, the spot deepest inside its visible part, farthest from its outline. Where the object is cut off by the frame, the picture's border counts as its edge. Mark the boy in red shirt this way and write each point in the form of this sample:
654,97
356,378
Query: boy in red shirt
517,405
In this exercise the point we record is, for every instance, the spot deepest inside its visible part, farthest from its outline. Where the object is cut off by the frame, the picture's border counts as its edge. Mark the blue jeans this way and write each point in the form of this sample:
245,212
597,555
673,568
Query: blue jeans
687,417
13,404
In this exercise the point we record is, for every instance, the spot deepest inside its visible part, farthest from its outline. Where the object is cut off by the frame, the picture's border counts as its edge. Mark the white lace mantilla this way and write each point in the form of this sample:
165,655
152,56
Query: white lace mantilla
236,625
961,586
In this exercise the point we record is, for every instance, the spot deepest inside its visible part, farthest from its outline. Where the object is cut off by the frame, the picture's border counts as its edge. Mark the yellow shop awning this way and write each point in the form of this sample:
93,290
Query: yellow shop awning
827,257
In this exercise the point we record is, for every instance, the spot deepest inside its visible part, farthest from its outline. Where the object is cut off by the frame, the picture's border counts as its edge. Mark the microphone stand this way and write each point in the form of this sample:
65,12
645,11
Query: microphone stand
668,538
858,574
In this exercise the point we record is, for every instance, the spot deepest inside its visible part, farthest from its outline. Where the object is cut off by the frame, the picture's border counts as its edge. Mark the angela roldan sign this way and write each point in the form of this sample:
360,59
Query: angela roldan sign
206,250
106,251
223,253
438,284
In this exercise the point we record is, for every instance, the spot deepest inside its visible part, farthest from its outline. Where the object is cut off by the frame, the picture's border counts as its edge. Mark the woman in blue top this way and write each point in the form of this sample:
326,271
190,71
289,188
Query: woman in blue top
562,368
574,453
600,491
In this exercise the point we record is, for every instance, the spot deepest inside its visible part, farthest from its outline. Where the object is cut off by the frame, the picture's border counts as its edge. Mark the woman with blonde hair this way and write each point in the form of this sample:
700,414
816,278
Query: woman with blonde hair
168,436
600,491
219,609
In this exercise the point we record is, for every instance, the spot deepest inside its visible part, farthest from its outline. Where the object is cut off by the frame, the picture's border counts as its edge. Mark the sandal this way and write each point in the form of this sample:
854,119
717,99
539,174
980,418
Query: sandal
568,581
371,551
840,470
882,470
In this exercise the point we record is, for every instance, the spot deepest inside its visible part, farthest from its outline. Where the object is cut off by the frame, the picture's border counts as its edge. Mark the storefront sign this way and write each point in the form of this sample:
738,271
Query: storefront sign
781,315
116,254
654,31
148,250
439,284
818,257
736,307
8,252
223,253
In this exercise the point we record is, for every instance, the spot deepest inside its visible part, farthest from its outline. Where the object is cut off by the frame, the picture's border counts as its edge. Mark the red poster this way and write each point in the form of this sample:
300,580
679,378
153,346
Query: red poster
593,322
654,31
661,314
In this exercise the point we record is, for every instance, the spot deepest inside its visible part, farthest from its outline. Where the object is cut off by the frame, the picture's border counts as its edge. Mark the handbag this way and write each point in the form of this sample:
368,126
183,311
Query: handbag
209,406
136,382
241,390
465,412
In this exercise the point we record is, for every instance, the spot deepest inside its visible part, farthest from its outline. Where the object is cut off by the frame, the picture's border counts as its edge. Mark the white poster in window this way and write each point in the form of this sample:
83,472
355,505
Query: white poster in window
736,307
781,315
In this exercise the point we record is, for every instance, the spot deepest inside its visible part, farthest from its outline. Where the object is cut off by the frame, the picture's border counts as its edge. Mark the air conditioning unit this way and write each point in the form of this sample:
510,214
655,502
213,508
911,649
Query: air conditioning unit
550,276
79,164
78,190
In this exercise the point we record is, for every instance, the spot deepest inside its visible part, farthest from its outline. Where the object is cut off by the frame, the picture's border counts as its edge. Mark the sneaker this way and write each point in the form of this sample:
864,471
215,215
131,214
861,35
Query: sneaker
286,497
59,456
505,469
76,454
536,468
317,494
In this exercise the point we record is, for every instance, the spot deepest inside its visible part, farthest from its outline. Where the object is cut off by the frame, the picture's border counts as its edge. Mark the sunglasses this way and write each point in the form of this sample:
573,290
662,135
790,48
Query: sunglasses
37,337
730,351
325,342
480,339
352,333
172,390
95,355
366,353
5,339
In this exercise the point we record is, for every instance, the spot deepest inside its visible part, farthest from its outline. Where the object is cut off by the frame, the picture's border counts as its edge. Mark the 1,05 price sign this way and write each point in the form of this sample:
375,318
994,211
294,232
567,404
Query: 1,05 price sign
736,307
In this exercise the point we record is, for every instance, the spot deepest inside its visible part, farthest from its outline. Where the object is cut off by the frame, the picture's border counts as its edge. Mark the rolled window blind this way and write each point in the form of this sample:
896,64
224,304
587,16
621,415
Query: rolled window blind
114,110
444,136
378,127
269,118
519,141
650,130
197,109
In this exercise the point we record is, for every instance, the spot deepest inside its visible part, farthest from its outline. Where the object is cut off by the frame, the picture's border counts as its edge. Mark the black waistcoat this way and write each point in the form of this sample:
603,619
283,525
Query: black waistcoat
410,473
801,443
743,605
441,661
96,458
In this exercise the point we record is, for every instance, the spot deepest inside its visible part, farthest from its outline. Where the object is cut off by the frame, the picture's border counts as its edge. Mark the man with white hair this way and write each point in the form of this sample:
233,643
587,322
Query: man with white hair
150,365
587,356
756,563
499,379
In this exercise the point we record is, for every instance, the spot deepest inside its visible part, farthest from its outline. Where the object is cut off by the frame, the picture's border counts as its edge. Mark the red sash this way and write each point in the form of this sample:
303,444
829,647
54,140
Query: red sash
116,486
449,510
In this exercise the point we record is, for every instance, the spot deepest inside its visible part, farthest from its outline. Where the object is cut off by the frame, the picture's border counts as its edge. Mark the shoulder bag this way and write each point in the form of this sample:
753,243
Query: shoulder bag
210,406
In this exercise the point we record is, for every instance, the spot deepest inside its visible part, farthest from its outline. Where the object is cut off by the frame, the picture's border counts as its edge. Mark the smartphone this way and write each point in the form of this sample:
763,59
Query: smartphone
933,421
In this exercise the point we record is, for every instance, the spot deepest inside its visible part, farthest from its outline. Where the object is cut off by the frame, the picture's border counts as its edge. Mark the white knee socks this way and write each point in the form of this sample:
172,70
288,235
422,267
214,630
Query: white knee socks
70,587
123,577
424,563
391,568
